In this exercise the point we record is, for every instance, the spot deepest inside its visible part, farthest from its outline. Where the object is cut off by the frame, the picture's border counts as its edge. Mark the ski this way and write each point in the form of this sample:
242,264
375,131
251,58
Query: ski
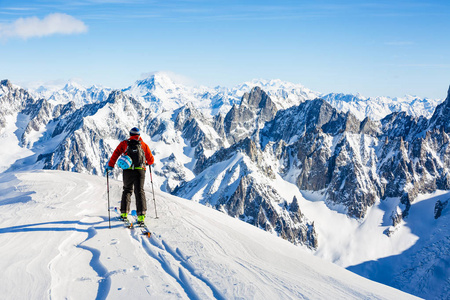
144,229
127,222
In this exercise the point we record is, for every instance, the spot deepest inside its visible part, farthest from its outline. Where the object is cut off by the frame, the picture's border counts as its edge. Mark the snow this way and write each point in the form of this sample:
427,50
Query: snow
195,252
10,150
347,241
423,269
225,173
377,108
62,93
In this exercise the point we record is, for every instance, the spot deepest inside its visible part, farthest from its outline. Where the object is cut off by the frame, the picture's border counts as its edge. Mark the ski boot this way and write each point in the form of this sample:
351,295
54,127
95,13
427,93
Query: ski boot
140,220
124,217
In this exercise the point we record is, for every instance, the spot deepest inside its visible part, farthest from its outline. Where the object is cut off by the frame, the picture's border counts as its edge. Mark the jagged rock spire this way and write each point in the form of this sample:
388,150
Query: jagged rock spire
6,83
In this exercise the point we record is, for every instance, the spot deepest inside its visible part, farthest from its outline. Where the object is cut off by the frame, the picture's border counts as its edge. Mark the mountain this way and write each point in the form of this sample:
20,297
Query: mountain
320,146
284,94
270,163
356,165
12,99
194,252
71,91
376,108
160,93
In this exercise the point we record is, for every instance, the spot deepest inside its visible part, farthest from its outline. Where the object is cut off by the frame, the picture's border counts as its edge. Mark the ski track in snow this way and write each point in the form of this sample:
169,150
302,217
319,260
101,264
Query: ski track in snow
178,255
177,266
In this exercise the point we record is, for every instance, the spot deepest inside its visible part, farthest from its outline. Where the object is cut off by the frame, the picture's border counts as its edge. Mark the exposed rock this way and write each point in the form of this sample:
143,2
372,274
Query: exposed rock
244,119
173,173
440,118
439,207
250,202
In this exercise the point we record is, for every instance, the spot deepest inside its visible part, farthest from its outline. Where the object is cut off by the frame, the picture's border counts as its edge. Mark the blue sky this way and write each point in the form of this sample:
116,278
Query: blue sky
376,48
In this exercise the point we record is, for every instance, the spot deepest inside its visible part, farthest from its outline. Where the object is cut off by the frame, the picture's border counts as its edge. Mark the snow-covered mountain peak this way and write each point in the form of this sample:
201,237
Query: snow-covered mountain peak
72,85
11,98
284,94
347,98
71,91
160,92
448,95
377,108
155,81
271,84
5,83
7,86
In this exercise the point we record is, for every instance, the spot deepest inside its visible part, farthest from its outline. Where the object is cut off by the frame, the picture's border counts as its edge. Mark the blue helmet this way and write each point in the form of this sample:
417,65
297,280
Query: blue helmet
135,131
124,162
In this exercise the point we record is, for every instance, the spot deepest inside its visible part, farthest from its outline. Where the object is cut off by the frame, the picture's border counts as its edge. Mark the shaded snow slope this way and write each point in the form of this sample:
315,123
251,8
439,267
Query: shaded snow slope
424,268
55,243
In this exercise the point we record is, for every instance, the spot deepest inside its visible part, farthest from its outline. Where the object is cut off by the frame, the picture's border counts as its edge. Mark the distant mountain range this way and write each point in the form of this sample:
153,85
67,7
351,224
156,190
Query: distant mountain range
249,150
160,92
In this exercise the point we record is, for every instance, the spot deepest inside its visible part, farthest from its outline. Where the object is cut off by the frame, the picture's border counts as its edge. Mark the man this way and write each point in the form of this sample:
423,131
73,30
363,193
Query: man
138,154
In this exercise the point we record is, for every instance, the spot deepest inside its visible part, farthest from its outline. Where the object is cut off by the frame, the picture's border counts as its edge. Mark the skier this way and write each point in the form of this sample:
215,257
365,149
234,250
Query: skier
134,156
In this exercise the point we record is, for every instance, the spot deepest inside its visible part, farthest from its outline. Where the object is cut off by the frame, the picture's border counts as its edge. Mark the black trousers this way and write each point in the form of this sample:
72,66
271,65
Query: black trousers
136,179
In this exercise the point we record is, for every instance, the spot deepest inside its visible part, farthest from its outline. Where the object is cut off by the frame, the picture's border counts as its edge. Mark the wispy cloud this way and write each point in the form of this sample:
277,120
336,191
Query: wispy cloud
399,43
56,23
425,65
18,8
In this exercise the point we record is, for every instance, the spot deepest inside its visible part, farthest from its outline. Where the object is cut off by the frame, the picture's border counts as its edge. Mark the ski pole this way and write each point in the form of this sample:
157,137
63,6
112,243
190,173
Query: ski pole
153,190
107,192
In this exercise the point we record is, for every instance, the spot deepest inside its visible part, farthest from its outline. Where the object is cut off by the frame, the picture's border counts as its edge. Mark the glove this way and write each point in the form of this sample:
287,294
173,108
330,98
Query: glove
108,169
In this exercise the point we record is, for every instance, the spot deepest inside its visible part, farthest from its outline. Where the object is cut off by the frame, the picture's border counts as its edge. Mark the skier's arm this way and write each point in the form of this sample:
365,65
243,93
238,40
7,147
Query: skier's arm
148,154
117,153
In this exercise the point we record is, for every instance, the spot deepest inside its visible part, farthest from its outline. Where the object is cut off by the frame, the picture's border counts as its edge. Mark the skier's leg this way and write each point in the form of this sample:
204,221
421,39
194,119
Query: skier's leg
127,191
141,203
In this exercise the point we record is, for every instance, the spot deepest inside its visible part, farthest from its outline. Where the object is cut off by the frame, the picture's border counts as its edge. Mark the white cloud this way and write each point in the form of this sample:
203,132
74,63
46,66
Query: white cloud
56,23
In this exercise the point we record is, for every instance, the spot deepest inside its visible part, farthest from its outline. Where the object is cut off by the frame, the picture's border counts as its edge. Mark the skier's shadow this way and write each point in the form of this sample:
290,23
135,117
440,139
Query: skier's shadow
61,226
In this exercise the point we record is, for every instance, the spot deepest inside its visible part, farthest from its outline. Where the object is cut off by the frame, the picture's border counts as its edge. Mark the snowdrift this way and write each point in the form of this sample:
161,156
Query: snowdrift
55,242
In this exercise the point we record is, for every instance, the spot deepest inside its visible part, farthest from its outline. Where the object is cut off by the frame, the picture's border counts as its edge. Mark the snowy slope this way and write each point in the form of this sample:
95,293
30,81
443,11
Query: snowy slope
424,268
55,243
